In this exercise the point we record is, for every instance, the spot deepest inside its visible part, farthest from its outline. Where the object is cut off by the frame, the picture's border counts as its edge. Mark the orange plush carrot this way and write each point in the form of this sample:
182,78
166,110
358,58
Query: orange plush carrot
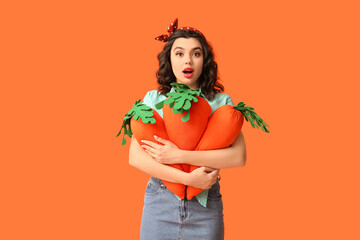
145,122
196,133
223,127
186,135
183,131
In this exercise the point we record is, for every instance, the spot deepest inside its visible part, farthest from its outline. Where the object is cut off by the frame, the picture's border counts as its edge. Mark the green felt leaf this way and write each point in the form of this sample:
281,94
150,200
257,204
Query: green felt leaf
160,105
168,100
180,100
186,117
138,111
146,113
176,110
177,96
194,99
179,104
187,104
149,120
251,116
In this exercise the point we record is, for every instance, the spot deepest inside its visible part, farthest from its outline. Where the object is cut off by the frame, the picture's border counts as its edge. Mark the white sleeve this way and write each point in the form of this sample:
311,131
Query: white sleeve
146,99
229,101
149,99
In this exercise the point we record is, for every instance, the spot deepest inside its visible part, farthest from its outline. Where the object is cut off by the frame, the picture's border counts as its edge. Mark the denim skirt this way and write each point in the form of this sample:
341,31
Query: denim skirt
166,217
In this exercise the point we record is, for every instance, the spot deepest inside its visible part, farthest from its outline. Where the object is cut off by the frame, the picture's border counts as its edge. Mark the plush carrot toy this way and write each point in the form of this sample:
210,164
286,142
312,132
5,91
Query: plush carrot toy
183,131
221,131
223,127
144,122
196,133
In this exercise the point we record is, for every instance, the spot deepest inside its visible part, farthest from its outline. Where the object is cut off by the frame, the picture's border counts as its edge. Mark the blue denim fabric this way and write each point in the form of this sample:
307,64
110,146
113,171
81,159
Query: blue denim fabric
165,217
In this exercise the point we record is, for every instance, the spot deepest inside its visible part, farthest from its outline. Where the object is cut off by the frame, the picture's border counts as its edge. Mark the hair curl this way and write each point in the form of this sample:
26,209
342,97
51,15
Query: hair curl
208,80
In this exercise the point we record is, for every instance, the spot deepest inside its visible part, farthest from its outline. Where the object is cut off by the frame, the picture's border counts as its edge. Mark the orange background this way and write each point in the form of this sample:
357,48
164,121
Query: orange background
71,70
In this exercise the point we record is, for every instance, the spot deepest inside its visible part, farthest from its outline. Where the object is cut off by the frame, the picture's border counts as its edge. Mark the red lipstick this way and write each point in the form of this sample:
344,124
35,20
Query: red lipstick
188,72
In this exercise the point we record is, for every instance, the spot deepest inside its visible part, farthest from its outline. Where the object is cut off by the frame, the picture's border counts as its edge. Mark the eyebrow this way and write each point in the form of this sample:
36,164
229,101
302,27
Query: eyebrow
192,49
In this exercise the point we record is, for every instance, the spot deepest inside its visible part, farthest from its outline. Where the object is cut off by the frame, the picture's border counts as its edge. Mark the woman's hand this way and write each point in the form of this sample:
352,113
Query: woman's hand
203,177
168,153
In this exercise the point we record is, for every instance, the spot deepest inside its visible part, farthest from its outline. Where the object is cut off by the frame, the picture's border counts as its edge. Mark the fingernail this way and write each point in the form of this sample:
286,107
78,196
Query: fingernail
155,136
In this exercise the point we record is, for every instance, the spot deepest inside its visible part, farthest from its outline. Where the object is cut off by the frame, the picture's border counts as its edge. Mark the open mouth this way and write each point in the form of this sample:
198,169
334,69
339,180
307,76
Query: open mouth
188,72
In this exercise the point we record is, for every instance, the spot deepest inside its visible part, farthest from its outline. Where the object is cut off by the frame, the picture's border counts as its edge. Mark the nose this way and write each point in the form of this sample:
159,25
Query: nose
188,59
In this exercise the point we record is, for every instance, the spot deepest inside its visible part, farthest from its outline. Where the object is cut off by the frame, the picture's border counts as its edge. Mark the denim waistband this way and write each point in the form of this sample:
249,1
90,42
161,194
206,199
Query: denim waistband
160,182
156,179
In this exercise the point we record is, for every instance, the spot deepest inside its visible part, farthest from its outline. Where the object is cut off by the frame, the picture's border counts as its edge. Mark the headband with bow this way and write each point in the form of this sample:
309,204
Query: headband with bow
172,28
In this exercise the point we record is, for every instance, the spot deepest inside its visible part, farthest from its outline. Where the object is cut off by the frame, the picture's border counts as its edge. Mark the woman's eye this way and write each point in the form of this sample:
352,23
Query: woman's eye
198,54
178,53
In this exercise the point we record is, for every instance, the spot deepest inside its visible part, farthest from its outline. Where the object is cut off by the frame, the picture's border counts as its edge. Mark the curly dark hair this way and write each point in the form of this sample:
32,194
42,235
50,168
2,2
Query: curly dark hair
208,80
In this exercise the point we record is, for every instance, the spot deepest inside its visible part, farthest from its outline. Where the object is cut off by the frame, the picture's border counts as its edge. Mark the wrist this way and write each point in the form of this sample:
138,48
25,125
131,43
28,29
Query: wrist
182,156
187,178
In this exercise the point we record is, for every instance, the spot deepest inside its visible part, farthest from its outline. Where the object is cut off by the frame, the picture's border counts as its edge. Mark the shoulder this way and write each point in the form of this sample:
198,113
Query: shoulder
152,97
154,94
149,94
223,99
219,100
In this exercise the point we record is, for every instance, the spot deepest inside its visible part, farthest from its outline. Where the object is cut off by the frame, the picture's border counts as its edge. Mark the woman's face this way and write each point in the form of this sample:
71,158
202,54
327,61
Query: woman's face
187,55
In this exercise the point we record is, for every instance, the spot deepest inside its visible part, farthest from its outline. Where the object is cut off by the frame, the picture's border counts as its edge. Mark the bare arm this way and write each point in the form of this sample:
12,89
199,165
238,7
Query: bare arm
203,178
141,160
230,157
169,153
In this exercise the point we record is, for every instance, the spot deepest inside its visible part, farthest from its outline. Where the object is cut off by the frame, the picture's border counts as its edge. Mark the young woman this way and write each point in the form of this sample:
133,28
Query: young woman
186,58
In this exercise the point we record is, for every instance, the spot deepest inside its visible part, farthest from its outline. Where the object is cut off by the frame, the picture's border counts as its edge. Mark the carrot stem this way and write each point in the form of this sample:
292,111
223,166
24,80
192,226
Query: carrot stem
180,100
138,111
251,116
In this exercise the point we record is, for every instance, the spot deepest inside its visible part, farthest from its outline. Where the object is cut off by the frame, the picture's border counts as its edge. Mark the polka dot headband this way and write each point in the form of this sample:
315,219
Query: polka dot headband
172,28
